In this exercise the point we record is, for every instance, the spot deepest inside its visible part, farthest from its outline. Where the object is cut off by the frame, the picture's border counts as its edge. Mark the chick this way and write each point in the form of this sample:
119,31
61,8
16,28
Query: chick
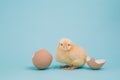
70,54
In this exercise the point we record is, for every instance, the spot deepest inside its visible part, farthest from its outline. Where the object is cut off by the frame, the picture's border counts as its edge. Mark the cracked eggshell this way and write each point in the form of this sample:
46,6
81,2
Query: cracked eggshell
42,59
95,64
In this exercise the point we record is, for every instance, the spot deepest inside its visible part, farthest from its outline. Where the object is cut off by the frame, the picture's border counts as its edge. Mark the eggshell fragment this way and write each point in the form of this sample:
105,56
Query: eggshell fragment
95,64
42,59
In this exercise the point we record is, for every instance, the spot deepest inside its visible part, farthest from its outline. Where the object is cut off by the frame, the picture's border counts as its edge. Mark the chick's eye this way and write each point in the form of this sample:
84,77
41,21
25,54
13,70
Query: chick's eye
61,44
68,44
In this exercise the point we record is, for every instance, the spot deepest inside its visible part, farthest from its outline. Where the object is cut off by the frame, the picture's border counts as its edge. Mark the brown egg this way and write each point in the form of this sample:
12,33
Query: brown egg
42,59
95,64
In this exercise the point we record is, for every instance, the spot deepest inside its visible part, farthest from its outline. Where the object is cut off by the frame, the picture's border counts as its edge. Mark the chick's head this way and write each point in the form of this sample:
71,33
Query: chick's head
65,44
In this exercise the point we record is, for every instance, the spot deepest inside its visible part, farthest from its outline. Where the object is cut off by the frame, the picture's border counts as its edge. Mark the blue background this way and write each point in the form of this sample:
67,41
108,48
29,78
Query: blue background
28,25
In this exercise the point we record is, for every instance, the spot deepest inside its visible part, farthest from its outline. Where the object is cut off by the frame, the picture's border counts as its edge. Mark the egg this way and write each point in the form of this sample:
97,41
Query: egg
42,59
95,64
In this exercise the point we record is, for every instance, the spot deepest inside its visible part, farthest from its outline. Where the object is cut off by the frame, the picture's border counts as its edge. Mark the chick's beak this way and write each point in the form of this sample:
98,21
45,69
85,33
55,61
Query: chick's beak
65,48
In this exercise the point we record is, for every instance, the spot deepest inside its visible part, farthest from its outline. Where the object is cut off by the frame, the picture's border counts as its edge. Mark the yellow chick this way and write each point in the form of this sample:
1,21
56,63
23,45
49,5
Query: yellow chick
70,54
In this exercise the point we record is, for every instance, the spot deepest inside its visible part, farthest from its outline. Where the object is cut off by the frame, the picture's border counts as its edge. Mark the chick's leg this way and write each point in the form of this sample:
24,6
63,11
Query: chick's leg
70,68
67,67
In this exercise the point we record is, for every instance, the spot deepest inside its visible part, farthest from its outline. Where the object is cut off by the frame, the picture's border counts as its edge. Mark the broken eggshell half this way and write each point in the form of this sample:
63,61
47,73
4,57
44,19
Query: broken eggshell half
95,64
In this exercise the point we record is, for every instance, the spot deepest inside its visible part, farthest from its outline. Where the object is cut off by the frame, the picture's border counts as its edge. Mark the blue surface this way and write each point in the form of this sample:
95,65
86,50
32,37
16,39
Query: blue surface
28,25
